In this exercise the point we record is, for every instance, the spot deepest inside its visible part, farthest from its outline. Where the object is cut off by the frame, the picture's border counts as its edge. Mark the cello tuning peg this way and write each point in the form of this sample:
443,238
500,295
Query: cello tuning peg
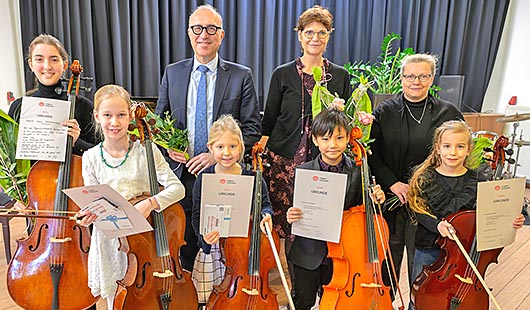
131,127
511,161
152,121
86,88
509,152
155,131
133,138
87,78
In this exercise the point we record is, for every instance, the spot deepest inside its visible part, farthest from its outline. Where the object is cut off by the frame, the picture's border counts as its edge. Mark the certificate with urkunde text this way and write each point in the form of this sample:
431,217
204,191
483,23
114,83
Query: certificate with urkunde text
231,190
320,195
116,217
498,203
41,135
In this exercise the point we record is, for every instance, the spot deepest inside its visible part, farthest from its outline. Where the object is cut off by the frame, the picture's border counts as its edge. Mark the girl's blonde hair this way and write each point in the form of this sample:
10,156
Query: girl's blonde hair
106,92
227,123
417,182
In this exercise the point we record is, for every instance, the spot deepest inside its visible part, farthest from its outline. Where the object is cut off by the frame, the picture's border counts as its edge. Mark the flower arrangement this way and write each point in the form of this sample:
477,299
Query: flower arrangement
165,134
358,108
13,172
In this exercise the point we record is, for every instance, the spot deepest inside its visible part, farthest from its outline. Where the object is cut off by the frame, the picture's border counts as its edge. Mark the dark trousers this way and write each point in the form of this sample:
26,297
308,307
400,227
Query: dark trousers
404,236
188,252
308,282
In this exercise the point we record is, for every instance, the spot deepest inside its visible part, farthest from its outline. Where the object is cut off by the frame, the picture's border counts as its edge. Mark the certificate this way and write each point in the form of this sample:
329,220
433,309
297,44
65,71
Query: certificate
116,217
498,203
320,195
41,135
232,190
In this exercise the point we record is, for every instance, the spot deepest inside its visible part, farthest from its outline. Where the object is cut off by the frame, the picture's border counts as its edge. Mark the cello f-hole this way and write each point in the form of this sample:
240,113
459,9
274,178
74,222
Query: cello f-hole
143,276
233,292
34,248
81,247
176,272
447,272
353,285
263,294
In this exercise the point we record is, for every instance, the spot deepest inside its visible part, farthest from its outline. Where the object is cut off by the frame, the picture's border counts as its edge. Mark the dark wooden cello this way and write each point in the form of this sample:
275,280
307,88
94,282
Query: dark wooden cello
154,278
454,280
248,261
358,258
49,268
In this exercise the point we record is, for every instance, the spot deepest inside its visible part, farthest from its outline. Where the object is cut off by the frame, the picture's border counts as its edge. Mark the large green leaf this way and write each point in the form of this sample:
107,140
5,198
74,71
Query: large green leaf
14,172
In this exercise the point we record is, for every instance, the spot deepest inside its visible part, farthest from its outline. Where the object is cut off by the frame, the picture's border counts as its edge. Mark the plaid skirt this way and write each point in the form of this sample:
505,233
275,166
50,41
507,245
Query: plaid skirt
208,270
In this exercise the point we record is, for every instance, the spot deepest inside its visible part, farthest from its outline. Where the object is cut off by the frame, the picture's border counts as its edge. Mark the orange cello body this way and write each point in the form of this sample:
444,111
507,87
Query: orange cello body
353,273
56,248
248,260
232,292
141,289
154,277
441,283
359,256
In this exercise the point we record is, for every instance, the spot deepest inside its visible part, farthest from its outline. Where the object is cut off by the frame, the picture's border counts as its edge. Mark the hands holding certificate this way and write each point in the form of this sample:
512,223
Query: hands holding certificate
73,129
294,214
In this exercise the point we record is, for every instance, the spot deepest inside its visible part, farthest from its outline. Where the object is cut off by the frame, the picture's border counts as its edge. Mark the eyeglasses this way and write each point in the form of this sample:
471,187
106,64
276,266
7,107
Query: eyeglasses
322,34
210,29
421,77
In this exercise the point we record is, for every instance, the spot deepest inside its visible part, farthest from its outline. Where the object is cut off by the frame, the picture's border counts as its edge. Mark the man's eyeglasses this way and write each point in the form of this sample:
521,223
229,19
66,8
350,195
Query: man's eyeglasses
322,34
421,77
210,29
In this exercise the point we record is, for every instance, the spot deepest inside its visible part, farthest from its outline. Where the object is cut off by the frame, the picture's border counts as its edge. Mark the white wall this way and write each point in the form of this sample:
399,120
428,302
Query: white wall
11,56
511,73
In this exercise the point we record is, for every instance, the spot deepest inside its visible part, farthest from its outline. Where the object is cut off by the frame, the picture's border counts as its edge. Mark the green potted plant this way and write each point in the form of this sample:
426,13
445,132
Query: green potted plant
384,75
13,172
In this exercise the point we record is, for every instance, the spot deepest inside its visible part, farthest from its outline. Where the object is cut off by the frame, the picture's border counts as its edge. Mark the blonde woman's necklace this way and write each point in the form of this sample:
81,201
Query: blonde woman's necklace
105,161
422,113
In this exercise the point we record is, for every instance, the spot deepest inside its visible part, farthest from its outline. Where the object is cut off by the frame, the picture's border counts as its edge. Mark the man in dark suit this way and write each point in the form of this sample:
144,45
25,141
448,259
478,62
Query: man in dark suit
226,88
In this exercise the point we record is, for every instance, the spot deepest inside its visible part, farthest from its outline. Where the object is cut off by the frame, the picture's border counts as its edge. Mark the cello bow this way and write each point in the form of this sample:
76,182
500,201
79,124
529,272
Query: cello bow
258,164
473,267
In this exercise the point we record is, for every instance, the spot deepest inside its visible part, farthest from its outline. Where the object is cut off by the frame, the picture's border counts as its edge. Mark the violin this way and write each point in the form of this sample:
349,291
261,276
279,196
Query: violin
248,261
55,254
154,277
358,258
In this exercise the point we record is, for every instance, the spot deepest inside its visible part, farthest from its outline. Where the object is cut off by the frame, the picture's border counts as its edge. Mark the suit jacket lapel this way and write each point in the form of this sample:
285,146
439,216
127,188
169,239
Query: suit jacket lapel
182,101
223,76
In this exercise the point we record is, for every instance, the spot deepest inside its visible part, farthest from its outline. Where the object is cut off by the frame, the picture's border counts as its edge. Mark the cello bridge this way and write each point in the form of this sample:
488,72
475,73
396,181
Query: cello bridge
165,274
250,292
60,240
371,285
465,280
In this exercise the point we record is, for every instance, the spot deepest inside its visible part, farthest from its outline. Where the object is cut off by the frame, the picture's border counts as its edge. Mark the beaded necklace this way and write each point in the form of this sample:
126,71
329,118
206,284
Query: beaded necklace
105,161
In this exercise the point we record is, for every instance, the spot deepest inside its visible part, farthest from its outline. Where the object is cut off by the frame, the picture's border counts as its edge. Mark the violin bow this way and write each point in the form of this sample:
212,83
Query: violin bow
257,164
475,270
34,214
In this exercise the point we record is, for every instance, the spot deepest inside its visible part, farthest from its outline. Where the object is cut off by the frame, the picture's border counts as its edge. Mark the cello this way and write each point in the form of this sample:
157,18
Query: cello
248,261
154,277
357,281
55,254
451,281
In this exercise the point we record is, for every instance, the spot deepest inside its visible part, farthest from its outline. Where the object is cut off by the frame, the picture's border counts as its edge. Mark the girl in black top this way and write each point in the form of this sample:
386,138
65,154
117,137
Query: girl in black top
48,60
443,185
